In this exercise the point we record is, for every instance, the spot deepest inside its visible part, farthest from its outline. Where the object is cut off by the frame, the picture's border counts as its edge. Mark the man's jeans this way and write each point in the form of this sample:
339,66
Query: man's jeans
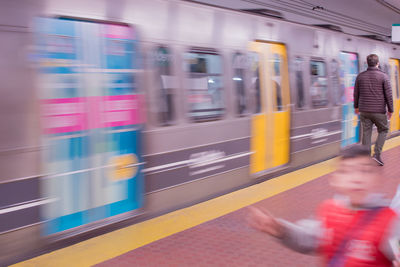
381,122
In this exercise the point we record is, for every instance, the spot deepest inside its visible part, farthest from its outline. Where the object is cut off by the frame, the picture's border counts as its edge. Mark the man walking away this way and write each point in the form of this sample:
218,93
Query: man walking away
372,93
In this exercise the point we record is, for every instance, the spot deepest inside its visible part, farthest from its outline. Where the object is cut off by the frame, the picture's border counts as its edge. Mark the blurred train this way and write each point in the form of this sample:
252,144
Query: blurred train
115,108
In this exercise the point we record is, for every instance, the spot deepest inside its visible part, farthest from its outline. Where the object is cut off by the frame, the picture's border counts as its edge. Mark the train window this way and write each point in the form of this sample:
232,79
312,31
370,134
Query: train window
255,81
205,92
298,66
365,66
276,80
337,91
318,89
239,69
384,67
165,82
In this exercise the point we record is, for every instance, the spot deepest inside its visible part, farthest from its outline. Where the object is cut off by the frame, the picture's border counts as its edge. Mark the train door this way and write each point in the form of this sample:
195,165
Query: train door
271,124
350,121
91,122
394,81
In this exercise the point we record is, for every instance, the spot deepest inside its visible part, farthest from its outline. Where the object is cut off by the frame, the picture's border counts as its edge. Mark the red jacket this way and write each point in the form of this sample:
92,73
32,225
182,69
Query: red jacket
362,249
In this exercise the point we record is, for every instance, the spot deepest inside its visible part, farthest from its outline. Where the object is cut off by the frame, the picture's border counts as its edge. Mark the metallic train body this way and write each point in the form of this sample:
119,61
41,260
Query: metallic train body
230,98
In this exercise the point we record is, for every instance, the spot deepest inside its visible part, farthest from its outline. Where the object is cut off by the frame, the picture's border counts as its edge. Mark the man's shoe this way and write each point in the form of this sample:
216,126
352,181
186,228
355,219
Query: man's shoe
378,159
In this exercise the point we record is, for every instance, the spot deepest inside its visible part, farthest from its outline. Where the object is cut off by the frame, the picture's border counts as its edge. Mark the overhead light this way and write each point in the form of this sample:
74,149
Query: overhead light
265,12
330,27
237,79
376,37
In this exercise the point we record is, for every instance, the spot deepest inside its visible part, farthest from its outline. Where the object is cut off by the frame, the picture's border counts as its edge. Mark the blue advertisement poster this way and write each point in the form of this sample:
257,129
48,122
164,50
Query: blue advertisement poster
91,121
350,121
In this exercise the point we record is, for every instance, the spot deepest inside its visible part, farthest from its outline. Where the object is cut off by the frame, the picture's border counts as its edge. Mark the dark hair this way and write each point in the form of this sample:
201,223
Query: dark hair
355,151
372,60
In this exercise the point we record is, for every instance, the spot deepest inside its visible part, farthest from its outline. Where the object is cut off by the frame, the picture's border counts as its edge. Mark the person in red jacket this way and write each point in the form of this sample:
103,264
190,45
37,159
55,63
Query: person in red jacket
356,228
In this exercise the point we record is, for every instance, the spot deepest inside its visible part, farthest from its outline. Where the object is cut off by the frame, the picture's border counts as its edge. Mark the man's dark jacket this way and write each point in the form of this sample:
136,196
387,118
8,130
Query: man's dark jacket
372,92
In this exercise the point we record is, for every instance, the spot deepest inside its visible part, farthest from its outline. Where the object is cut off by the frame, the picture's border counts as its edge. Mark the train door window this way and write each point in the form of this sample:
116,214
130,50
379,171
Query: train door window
396,75
205,92
337,92
276,81
298,66
255,81
165,81
318,89
239,70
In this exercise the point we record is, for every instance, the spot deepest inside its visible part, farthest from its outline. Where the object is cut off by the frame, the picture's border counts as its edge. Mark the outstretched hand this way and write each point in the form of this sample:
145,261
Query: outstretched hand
263,221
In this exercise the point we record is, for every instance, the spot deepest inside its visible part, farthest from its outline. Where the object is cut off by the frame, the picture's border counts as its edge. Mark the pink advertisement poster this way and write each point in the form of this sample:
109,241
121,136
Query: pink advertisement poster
82,113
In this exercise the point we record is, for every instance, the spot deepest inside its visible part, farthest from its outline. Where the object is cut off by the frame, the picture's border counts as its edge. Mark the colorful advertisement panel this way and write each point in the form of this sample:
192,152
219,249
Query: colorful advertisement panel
350,121
91,121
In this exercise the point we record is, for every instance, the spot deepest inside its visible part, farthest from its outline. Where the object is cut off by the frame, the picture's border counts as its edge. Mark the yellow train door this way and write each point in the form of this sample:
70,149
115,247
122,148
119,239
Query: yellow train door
270,126
394,81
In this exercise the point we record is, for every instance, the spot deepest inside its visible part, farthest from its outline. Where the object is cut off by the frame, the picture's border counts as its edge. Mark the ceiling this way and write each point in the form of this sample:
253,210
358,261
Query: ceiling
360,17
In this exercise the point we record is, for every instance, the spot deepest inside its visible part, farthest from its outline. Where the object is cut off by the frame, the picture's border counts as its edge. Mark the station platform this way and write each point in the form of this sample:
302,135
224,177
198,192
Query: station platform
215,232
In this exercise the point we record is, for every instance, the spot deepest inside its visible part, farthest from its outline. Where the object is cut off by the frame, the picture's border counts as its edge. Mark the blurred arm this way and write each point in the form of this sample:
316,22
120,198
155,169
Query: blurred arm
390,243
303,236
356,94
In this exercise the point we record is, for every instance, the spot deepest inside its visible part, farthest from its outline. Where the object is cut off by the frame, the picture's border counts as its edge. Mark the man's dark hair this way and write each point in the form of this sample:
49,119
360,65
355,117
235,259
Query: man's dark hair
355,151
372,60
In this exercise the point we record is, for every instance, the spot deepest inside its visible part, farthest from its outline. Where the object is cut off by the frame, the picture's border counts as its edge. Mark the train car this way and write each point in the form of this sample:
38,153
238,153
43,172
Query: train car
169,103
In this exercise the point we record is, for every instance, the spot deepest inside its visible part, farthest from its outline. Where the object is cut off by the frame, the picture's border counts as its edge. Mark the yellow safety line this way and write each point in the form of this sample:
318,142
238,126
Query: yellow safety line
108,246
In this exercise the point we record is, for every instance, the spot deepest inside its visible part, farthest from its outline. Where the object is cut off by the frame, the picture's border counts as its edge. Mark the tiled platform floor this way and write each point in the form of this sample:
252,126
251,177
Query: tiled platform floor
228,240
